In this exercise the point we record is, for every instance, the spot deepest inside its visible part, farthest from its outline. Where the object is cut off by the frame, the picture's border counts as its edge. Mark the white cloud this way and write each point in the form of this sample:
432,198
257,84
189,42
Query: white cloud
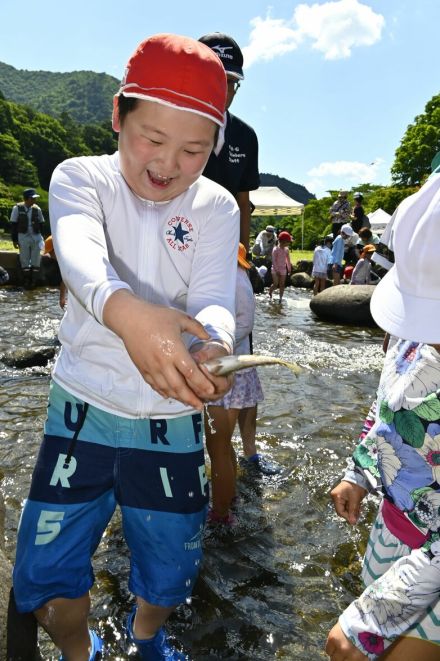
333,28
333,175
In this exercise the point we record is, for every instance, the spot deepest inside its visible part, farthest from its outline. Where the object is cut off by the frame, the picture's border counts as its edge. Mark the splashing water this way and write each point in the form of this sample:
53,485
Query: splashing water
210,420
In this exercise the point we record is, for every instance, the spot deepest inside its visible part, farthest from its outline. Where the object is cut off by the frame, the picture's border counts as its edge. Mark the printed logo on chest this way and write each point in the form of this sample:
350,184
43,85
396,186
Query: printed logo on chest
235,155
179,233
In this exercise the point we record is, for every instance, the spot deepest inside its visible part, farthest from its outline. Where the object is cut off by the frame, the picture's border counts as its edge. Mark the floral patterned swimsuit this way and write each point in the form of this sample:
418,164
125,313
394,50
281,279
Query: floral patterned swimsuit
398,456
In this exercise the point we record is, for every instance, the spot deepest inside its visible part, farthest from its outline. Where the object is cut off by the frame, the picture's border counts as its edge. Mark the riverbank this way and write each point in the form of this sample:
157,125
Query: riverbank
295,255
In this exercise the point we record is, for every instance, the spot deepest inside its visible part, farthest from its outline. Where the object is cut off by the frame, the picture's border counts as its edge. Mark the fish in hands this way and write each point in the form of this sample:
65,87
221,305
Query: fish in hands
227,364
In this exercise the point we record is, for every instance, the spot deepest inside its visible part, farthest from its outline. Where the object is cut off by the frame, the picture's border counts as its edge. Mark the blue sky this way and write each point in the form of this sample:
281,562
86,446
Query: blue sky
330,87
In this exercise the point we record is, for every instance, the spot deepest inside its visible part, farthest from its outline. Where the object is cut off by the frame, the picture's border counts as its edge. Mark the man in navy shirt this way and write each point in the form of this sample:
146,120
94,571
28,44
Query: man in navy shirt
234,165
234,161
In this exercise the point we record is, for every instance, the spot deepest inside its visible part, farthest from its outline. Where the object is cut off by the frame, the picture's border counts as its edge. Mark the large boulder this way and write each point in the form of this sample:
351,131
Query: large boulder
28,357
345,304
302,279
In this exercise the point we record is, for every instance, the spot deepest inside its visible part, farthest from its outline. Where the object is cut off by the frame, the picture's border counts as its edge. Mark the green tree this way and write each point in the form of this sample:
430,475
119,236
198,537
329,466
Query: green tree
100,139
388,198
13,167
418,147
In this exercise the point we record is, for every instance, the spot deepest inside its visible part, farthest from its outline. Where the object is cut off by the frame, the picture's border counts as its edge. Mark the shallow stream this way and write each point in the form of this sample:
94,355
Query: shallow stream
273,588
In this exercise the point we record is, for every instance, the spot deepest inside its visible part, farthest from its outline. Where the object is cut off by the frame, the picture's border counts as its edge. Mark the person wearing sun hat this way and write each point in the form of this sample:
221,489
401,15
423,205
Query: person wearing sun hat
27,222
148,250
338,251
361,274
265,242
398,459
340,212
234,161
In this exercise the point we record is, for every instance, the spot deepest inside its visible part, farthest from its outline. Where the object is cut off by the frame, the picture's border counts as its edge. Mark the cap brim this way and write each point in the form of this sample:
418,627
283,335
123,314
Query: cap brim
403,315
234,71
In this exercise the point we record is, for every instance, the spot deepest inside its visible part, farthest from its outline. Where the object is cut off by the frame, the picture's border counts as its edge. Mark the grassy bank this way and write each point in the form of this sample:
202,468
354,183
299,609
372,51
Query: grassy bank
5,241
299,255
295,255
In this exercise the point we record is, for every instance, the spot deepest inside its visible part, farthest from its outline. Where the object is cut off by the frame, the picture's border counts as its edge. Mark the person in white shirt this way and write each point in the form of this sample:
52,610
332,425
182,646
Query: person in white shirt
147,248
361,274
322,256
265,242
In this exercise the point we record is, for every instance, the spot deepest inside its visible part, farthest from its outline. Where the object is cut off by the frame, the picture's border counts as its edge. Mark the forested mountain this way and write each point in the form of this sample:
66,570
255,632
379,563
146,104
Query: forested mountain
47,117
295,191
85,95
33,143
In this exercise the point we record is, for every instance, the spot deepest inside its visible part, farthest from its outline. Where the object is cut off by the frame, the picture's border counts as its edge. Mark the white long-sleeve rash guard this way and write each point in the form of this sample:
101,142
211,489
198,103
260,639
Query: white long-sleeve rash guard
181,253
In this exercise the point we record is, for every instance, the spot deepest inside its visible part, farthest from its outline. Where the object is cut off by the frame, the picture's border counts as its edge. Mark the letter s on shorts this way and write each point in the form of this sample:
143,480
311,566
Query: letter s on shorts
48,527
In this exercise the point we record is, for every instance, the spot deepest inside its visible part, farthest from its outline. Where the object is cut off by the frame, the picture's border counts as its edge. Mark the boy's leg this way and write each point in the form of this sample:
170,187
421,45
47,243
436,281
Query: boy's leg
163,493
65,620
149,618
69,506
223,480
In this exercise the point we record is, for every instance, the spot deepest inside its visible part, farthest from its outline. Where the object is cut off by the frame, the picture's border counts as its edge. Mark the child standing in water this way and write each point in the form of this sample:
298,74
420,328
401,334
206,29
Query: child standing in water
223,414
397,617
148,250
281,264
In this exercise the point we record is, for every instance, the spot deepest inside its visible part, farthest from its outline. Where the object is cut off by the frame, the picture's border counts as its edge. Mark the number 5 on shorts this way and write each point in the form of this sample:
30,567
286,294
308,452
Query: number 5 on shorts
48,527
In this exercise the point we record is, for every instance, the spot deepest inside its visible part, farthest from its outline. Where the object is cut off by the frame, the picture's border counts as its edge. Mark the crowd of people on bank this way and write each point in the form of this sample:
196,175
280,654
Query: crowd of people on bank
160,311
345,255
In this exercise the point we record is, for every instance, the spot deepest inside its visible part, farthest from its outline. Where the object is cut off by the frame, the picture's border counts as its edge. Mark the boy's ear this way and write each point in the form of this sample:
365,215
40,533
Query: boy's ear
115,116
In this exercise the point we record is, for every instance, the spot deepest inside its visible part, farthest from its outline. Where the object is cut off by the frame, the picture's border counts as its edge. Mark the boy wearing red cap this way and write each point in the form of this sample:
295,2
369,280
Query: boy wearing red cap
147,249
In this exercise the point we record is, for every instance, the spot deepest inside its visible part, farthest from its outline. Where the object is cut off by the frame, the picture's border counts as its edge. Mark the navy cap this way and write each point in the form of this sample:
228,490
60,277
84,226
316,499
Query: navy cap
228,51
30,192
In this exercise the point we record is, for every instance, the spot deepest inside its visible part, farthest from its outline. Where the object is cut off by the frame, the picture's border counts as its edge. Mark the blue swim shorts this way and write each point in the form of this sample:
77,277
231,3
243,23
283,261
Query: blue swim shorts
89,462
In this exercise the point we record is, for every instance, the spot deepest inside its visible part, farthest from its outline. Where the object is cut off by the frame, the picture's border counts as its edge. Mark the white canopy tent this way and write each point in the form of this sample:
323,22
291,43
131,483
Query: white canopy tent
379,220
271,201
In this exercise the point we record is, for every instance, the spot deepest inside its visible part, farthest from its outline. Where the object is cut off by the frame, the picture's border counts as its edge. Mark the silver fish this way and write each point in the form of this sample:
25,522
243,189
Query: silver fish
228,364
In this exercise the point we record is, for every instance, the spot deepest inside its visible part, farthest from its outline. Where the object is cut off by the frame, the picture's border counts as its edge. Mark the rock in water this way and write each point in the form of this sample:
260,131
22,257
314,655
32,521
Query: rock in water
344,304
31,357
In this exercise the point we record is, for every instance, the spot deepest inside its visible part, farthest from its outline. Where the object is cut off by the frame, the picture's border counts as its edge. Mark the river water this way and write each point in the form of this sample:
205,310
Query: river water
274,587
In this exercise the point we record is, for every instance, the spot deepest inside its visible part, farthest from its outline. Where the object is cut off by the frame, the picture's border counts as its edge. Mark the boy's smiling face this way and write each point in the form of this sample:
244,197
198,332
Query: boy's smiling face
162,150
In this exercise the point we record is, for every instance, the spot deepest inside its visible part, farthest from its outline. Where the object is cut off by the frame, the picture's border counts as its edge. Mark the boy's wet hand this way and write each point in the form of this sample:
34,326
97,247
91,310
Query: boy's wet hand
208,350
152,335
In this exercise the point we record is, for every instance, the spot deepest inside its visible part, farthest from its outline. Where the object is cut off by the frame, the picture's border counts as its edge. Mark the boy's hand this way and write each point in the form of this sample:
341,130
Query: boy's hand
152,335
339,648
204,351
347,498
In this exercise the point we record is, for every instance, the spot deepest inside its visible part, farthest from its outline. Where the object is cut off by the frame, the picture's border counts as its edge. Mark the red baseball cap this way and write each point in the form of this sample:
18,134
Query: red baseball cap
177,71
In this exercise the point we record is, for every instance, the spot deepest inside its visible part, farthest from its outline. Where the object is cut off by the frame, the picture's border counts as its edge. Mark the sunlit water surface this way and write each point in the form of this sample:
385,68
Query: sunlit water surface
274,587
